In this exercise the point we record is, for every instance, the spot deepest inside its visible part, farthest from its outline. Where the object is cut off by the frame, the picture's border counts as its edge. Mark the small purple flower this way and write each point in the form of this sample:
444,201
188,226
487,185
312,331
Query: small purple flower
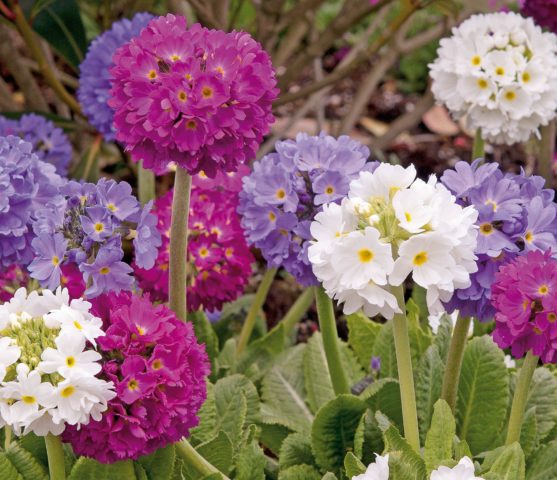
107,272
465,177
96,223
118,198
49,255
147,239
375,364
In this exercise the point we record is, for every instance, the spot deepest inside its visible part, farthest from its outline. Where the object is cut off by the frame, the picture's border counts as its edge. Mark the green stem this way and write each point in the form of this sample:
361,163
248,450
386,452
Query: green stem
328,327
145,184
478,149
256,305
193,458
55,454
298,310
7,437
179,243
520,397
451,377
405,374
547,150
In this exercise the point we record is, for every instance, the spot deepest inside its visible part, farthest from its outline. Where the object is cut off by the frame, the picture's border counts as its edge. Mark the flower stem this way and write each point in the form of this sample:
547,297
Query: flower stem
257,304
192,457
405,374
520,397
7,437
547,151
328,327
145,184
451,377
297,311
478,149
179,243
55,454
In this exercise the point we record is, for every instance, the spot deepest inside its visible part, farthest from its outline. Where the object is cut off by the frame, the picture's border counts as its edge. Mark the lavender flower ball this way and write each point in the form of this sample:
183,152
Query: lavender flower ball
288,188
94,77
49,142
27,185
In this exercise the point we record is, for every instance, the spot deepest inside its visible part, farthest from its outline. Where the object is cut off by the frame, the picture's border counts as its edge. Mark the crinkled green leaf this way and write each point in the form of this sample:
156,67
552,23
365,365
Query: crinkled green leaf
7,469
206,429
443,337
218,452
229,387
88,469
353,466
296,450
362,333
509,465
26,464
542,465
299,472
205,335
439,439
542,394
273,435
384,395
406,457
529,433
429,380
384,348
251,463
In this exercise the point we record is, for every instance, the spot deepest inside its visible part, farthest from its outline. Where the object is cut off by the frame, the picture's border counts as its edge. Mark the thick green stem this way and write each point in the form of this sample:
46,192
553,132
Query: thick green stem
405,374
547,151
7,437
192,457
55,454
298,310
179,243
256,305
145,184
451,377
328,327
520,397
478,150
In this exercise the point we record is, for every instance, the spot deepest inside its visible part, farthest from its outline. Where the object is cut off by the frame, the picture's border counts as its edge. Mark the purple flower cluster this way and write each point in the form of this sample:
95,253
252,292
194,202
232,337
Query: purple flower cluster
288,188
88,231
159,373
27,186
516,215
50,143
94,72
200,98
544,12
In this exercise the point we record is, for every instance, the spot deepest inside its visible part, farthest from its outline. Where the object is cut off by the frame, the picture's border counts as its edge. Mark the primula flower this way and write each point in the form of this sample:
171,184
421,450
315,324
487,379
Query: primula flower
288,188
378,470
49,142
11,279
217,251
463,471
94,72
500,70
544,12
27,187
525,299
87,230
159,373
515,215
197,97
47,368
376,238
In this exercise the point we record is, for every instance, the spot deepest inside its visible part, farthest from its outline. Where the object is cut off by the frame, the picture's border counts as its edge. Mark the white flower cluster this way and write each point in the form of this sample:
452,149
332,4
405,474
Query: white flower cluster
379,470
47,367
500,70
392,225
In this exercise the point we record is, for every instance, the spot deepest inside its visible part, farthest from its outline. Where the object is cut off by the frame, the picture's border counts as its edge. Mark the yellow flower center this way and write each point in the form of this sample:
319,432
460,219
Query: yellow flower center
175,57
157,364
182,96
203,252
526,77
543,290
133,385
272,216
67,392
28,399
280,194
77,325
70,361
229,251
499,71
365,255
191,124
104,271
207,92
111,207
140,329
551,317
152,74
529,237
408,217
476,60
486,228
510,96
55,260
99,227
329,190
420,258
482,83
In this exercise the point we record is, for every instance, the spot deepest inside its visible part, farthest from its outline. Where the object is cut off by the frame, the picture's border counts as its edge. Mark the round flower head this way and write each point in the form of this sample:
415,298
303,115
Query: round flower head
525,299
500,70
48,363
287,188
27,186
393,225
464,470
544,12
515,215
159,373
50,143
197,97
88,231
11,279
217,251
94,72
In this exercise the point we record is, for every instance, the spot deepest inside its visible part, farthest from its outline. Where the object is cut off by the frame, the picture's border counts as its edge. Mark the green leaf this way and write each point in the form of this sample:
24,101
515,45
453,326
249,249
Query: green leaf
272,436
88,469
420,302
329,476
231,418
261,353
226,361
529,433
251,463
232,319
207,418
282,392
509,465
300,472
402,467
353,466
362,333
206,335
296,450
7,469
334,429
218,452
428,386
483,394
384,348
543,466
443,337
542,394
35,446
439,440
140,473
160,464
26,464
227,388
384,395
59,23
461,449
420,340
395,443
373,438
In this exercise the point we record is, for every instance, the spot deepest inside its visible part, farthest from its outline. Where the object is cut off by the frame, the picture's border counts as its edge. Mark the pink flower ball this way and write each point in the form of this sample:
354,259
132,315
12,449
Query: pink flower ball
525,297
159,373
197,97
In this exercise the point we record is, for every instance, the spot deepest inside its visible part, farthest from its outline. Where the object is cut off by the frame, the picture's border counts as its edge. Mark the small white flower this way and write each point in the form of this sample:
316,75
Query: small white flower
379,470
75,320
463,471
9,354
383,183
372,299
509,362
43,424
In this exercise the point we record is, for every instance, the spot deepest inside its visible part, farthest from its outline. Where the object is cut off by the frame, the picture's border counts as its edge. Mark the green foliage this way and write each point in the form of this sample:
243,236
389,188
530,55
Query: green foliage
542,395
384,348
251,463
543,466
352,465
384,395
26,464
509,464
206,335
362,333
428,386
296,450
87,469
439,440
160,464
299,472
